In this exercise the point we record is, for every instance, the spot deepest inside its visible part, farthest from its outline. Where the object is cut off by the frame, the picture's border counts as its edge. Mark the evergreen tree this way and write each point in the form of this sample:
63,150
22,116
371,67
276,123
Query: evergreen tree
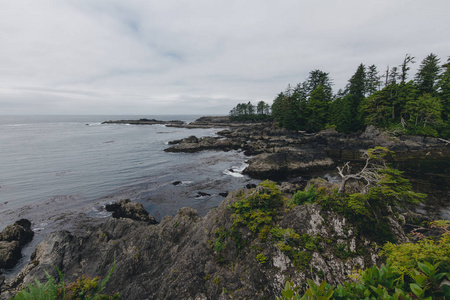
372,80
343,114
424,115
444,96
428,74
356,91
393,76
277,107
262,108
317,78
378,108
317,109
405,68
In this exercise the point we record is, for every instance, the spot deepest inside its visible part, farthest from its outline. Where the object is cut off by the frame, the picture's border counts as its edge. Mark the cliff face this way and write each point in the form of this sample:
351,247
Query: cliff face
188,257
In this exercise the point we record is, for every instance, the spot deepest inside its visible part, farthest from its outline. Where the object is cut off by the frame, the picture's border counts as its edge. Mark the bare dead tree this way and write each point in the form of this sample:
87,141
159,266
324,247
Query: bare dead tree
369,174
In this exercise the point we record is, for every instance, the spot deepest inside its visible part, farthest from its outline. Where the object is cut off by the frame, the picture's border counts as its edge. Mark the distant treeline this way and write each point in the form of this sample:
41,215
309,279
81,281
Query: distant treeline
249,112
389,101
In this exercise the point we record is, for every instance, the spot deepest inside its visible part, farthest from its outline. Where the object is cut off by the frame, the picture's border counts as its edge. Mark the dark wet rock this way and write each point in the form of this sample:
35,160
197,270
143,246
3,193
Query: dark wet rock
192,144
12,239
177,182
174,142
132,210
281,165
250,186
224,194
18,231
203,194
9,254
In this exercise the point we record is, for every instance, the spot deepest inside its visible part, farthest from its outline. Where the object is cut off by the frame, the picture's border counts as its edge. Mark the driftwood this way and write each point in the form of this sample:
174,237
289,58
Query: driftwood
445,141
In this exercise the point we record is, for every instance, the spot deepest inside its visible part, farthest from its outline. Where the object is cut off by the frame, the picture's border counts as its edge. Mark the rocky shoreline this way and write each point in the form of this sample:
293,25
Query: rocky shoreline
179,258
279,154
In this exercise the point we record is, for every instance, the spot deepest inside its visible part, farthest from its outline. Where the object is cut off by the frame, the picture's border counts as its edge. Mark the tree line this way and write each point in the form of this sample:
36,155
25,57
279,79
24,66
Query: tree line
390,101
250,112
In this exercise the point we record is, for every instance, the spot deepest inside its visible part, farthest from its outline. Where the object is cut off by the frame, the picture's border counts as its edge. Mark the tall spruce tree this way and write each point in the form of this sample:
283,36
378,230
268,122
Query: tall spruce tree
317,109
356,92
372,80
316,78
428,74
444,96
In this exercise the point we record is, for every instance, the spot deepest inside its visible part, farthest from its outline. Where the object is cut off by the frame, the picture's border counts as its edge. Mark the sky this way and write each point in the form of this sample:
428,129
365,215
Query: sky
150,57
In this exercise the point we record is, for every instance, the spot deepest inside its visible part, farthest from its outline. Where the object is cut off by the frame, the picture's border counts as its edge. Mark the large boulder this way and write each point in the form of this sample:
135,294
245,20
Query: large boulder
132,210
12,239
9,254
19,231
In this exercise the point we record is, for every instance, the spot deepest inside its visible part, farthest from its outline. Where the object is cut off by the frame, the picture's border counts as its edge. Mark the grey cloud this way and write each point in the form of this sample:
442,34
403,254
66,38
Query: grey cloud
164,57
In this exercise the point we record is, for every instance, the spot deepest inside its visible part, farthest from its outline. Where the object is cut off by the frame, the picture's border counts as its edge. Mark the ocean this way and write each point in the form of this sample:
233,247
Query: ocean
54,167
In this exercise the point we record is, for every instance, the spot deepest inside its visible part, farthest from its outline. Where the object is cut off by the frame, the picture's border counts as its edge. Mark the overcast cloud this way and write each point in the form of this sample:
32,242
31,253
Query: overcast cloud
198,57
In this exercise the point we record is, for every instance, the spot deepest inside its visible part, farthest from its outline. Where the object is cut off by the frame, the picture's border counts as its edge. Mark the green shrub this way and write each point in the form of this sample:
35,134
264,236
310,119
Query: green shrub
261,258
306,196
412,271
83,288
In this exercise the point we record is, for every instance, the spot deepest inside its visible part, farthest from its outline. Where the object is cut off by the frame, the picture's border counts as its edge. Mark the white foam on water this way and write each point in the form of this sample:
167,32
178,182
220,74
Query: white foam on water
236,171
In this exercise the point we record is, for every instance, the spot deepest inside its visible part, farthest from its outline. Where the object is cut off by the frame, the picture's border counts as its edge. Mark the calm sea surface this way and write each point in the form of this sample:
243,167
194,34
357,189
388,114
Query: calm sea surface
52,167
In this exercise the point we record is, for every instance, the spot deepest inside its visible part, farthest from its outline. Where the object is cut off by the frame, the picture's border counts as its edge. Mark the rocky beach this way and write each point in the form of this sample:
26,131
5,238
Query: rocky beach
191,257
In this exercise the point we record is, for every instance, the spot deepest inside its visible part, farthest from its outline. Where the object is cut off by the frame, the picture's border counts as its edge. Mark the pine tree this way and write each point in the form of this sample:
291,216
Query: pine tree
428,74
317,109
356,91
372,80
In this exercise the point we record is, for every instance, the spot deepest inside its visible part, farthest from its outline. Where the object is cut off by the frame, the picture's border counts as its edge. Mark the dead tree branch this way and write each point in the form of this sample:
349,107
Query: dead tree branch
369,174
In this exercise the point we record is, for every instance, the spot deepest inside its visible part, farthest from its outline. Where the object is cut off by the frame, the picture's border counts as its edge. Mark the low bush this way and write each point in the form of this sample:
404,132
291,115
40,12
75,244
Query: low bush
83,288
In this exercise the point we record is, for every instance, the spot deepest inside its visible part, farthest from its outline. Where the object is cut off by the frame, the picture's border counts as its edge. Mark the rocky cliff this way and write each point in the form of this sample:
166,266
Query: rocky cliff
218,256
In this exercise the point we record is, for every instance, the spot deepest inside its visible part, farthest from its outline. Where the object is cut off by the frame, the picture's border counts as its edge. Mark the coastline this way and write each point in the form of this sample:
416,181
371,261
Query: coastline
265,145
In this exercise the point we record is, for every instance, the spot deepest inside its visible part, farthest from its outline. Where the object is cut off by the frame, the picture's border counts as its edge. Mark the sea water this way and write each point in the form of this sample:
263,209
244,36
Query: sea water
52,167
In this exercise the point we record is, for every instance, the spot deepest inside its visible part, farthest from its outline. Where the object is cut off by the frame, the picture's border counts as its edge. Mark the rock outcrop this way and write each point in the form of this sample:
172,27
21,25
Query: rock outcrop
132,210
194,144
179,259
144,121
278,165
12,239
279,153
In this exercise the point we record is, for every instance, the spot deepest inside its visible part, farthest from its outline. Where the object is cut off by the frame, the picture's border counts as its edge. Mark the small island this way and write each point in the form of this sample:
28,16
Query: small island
145,121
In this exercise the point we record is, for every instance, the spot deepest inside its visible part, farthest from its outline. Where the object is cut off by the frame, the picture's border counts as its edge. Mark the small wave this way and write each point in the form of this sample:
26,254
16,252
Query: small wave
40,227
99,212
236,171
234,174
